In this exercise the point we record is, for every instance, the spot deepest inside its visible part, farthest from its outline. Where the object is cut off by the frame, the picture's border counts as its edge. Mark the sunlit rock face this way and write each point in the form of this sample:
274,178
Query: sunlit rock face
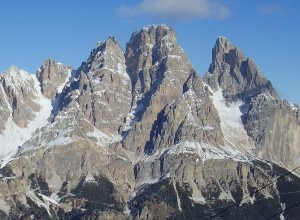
140,135
271,123
52,77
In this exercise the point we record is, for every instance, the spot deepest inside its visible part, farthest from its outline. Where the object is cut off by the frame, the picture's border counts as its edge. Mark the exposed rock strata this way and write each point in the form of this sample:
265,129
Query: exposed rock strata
167,93
271,123
140,136
18,99
52,77
105,87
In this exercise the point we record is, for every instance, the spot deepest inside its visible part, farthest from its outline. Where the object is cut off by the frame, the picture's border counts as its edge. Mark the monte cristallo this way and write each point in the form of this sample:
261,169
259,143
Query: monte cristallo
139,134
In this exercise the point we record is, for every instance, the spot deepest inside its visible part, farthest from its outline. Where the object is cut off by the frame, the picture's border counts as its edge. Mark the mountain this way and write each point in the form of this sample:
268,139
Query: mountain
140,135
271,123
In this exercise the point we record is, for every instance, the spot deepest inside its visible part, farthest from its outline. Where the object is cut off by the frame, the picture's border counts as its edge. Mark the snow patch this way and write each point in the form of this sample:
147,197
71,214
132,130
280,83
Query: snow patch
61,140
177,197
38,201
127,210
203,151
48,200
232,127
16,78
122,70
294,107
13,135
207,151
283,207
201,200
103,139
148,181
4,206
144,182
225,196
175,57
130,119
230,114
90,178
68,80
8,158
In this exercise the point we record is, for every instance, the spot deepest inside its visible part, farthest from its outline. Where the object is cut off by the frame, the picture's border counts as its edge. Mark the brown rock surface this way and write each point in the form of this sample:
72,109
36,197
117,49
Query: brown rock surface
140,136
52,77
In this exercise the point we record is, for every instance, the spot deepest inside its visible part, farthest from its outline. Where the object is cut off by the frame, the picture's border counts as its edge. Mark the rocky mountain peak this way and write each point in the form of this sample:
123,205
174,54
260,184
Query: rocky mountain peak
238,76
165,85
23,108
107,53
262,114
152,35
222,45
108,45
52,77
15,75
155,40
151,49
105,87
20,92
140,136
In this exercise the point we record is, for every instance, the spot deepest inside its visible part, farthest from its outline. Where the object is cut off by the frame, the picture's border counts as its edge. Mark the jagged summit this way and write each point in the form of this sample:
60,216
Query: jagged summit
23,108
141,135
15,72
150,48
238,76
161,74
151,36
104,52
153,28
222,45
105,87
239,82
53,76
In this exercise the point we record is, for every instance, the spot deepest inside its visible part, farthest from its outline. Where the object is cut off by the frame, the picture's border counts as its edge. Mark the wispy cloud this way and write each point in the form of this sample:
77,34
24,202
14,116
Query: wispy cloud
273,9
176,9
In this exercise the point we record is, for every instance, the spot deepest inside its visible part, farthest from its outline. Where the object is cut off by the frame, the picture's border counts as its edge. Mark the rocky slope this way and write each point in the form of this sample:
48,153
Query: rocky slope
140,135
271,123
23,108
52,77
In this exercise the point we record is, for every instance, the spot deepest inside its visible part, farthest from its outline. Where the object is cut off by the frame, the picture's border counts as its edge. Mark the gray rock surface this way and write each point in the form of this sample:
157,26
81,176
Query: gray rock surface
105,87
4,106
272,123
168,94
19,94
238,76
52,77
140,136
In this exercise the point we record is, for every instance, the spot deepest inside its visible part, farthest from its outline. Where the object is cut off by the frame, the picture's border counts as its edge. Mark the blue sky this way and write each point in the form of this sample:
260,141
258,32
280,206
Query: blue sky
266,30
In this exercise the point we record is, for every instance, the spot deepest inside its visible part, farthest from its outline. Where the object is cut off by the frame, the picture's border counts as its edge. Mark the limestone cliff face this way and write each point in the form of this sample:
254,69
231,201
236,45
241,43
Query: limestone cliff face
238,76
141,136
4,105
216,184
274,126
53,76
74,158
18,100
168,95
105,87
270,122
